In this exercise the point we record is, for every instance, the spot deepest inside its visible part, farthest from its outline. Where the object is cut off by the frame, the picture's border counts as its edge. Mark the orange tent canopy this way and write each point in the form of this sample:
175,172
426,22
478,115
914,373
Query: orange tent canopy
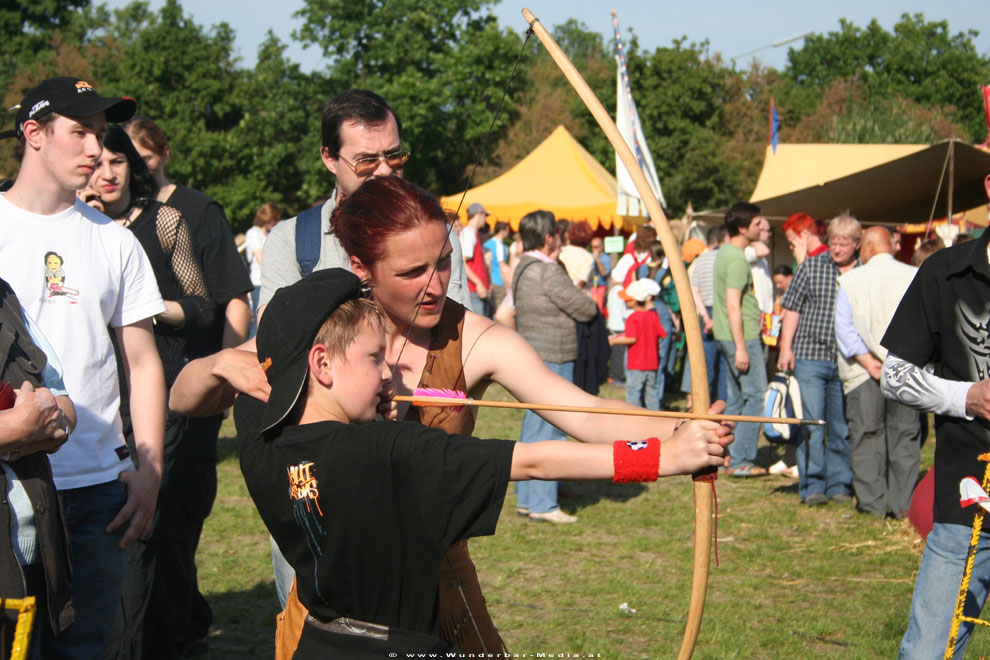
559,176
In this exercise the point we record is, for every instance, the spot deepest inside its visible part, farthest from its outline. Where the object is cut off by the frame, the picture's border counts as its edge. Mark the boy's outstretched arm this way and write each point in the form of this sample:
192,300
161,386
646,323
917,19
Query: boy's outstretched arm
694,446
208,385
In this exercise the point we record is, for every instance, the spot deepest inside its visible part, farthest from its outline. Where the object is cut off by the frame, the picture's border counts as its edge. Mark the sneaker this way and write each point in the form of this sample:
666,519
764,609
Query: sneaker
556,516
842,498
816,499
781,469
522,512
778,468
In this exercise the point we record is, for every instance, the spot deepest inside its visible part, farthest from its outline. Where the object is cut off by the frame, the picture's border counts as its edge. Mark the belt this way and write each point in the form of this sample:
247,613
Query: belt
345,626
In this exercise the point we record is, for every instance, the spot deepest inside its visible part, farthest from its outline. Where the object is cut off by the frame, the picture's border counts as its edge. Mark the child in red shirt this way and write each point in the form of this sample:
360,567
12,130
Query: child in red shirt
642,334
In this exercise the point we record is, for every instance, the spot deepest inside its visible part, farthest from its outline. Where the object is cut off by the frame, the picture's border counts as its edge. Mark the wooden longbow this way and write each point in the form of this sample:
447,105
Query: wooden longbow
703,488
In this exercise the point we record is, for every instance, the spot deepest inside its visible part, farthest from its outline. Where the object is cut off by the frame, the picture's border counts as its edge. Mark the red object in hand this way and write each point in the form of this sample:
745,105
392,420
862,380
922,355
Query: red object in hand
921,514
7,396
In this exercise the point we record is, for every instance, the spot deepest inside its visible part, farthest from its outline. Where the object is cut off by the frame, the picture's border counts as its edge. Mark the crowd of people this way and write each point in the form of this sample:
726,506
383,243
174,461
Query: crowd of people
128,318
119,285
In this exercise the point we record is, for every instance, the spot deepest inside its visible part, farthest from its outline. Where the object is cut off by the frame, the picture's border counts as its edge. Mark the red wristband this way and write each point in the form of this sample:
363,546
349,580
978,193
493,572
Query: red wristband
636,460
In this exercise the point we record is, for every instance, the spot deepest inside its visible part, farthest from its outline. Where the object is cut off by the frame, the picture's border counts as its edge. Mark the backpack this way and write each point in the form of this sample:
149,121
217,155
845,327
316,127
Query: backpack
783,399
308,239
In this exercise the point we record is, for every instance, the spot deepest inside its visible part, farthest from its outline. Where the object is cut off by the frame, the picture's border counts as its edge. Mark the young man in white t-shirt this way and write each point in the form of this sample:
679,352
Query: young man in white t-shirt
77,272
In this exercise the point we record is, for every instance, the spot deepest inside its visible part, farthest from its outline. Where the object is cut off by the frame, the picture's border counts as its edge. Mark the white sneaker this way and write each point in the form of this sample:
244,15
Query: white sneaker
778,468
556,516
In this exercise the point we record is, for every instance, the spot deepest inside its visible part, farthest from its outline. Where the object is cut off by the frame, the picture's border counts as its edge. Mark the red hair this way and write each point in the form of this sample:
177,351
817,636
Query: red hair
379,208
800,222
580,233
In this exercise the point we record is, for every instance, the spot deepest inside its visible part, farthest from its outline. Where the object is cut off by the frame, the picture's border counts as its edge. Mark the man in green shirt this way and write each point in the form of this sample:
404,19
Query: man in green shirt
737,330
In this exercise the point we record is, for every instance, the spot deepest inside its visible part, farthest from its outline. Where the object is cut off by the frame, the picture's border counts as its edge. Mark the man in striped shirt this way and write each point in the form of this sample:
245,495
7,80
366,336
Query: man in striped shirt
702,274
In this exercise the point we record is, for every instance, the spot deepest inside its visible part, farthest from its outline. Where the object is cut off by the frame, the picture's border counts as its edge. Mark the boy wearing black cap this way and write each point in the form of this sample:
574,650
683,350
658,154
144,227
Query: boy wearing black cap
364,510
103,279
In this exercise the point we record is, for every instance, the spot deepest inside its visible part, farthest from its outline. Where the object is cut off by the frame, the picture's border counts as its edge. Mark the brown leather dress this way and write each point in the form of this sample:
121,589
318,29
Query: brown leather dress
464,618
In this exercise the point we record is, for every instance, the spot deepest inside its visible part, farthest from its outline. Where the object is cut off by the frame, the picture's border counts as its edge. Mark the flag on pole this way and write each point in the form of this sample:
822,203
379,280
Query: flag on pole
627,120
774,127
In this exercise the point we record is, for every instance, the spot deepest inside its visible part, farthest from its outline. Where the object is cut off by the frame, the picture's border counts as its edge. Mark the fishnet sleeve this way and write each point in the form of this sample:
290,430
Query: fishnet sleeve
173,232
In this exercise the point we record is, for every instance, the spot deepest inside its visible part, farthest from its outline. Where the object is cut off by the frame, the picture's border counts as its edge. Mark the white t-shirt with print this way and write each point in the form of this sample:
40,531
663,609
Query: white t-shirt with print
75,273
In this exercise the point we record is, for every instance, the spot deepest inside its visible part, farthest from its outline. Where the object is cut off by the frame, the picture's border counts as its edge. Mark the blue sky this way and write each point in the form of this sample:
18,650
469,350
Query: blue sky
731,27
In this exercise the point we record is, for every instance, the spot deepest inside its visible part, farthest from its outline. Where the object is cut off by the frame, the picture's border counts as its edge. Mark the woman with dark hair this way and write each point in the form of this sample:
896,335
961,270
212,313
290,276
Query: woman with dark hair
397,237
190,617
548,303
128,191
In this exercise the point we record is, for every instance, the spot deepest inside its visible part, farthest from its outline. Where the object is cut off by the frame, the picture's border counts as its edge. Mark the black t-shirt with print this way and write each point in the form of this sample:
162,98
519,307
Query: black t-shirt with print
944,319
364,513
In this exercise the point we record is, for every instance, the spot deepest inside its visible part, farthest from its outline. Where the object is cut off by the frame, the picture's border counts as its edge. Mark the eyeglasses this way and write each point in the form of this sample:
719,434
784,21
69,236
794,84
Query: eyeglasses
367,166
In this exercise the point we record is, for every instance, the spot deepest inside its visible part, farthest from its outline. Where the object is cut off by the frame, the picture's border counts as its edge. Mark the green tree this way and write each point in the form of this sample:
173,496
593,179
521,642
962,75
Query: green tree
681,93
274,149
184,78
27,29
547,100
921,62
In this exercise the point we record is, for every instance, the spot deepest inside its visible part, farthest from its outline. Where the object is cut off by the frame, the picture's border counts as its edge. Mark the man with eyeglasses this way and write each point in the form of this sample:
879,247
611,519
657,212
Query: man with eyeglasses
361,141
808,348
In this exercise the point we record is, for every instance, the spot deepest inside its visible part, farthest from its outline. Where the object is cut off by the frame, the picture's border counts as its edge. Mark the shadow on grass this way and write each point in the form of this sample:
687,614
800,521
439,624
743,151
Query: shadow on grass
791,488
243,623
575,495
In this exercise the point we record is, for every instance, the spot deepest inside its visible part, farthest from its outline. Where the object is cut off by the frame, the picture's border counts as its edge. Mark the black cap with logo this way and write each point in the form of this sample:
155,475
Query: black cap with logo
71,97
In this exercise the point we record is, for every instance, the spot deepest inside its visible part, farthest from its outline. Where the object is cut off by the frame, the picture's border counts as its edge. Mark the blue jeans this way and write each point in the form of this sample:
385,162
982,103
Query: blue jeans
477,304
255,297
97,570
541,496
284,573
744,395
936,590
823,462
714,362
641,389
667,349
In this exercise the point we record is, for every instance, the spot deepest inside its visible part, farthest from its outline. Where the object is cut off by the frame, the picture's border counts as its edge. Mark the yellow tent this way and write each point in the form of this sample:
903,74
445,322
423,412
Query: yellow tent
888,183
560,176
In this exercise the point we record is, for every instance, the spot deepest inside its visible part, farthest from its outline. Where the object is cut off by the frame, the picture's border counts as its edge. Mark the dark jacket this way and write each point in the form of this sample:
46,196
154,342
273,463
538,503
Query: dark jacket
21,360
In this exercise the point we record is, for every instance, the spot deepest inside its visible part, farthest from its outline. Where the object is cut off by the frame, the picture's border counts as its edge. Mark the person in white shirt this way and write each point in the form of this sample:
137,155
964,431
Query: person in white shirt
105,280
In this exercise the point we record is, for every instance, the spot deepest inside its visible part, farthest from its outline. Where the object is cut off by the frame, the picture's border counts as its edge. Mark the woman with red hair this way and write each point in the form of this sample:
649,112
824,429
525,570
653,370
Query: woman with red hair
398,240
804,236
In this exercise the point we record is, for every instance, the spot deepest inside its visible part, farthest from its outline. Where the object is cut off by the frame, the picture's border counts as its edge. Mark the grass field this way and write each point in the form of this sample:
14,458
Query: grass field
793,582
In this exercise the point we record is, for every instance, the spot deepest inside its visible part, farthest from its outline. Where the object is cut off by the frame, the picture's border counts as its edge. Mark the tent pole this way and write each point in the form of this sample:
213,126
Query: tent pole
952,176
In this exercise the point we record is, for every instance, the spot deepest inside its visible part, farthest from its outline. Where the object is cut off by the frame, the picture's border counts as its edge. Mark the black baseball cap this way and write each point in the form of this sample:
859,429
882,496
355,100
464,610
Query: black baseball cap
72,97
287,330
